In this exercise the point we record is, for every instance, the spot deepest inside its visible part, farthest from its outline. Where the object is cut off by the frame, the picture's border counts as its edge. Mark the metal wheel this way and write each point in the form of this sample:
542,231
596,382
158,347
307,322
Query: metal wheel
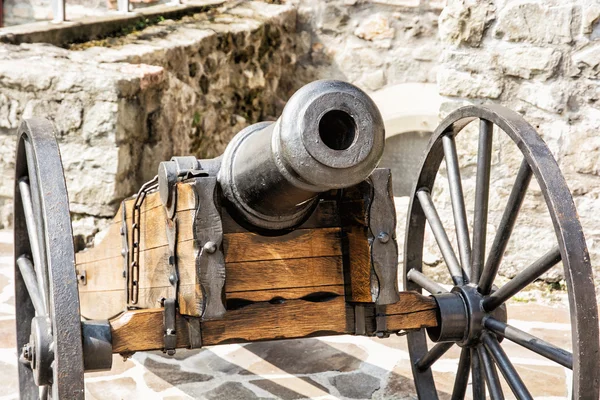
46,295
472,314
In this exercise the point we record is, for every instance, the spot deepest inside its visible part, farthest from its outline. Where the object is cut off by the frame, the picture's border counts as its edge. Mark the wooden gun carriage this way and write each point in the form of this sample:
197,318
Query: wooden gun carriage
291,234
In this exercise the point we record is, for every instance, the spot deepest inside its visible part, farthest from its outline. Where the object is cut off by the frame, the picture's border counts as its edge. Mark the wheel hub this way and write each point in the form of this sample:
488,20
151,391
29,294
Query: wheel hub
461,316
38,354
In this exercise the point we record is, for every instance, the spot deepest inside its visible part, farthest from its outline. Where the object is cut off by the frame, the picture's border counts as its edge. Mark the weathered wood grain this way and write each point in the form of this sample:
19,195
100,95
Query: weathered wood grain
301,243
141,330
412,311
284,273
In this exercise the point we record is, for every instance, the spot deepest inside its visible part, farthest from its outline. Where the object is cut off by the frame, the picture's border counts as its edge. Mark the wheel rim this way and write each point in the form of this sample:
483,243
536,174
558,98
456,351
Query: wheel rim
481,352
46,294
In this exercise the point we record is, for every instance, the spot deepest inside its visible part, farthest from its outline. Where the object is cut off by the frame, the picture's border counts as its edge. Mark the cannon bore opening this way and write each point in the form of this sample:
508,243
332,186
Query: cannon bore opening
337,129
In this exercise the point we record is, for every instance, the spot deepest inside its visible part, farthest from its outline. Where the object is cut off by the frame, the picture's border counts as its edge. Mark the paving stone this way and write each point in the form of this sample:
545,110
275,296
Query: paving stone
110,389
231,391
281,387
3,282
305,356
356,385
399,387
7,334
9,380
173,373
212,362
156,383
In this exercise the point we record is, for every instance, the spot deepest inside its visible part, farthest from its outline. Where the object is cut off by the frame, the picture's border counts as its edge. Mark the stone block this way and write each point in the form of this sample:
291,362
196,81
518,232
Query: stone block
535,22
587,61
526,62
463,84
357,385
99,122
470,60
372,81
464,22
376,27
8,112
548,97
591,15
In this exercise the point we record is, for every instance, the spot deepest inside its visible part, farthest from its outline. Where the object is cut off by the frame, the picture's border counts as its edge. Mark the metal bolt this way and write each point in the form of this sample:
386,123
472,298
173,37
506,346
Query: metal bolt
172,279
26,354
383,237
382,335
210,247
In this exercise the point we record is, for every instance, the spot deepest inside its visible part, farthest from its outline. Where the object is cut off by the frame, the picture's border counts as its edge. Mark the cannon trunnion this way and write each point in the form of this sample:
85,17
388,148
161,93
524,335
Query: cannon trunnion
291,234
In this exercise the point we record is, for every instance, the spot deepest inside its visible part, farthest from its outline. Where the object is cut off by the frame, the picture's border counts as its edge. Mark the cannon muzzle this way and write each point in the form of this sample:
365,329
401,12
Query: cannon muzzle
329,136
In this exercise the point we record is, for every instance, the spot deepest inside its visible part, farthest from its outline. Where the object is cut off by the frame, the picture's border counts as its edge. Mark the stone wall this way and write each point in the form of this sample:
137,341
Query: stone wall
122,105
540,58
371,43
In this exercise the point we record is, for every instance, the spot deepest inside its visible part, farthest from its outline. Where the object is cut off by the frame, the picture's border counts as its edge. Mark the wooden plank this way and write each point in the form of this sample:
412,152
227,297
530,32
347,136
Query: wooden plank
412,311
142,330
291,319
284,273
414,320
410,302
301,243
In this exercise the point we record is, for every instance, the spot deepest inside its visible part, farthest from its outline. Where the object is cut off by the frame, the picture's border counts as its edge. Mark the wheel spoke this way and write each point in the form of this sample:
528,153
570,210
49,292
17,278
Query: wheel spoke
34,243
440,236
458,202
531,342
508,370
426,283
477,376
507,223
462,375
491,374
482,190
29,277
522,279
433,355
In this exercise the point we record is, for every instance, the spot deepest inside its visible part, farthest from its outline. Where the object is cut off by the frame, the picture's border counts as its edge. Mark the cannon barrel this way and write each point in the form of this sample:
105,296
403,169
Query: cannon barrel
329,136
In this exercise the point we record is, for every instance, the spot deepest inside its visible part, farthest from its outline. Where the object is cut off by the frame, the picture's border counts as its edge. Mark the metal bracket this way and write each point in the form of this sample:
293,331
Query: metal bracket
194,332
170,333
208,234
169,173
81,277
125,246
382,237
171,225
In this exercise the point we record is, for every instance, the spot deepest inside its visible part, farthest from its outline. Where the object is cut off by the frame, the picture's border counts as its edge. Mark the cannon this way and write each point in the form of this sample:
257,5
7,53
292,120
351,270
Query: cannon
291,234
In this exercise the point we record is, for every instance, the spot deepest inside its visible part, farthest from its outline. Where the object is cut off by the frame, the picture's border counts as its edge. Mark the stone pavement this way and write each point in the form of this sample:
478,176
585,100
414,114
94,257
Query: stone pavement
341,367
